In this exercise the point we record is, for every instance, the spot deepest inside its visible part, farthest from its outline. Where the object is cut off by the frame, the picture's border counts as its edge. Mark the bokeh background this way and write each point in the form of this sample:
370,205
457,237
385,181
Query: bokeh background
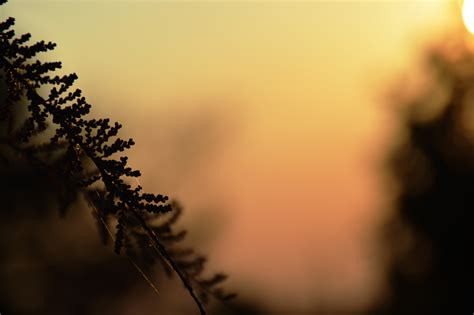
268,120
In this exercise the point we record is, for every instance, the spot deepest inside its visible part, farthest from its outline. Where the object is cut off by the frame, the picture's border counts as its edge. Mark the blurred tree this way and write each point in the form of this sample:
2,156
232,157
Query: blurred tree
428,240
53,156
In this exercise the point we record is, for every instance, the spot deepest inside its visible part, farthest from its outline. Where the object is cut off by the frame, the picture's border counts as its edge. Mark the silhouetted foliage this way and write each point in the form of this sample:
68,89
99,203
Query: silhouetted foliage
429,238
79,155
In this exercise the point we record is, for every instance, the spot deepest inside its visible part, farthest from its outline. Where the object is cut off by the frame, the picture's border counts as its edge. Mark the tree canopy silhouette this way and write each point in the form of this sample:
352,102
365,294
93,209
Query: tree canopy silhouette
429,237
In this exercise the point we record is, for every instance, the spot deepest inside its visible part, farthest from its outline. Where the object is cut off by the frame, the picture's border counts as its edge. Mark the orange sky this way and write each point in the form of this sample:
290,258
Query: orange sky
263,117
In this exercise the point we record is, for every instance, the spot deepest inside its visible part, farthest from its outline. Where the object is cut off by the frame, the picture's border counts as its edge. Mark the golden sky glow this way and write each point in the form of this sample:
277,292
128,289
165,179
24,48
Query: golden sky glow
287,95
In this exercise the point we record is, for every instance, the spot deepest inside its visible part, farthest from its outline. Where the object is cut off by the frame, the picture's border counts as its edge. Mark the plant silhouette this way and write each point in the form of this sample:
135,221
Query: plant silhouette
47,137
428,239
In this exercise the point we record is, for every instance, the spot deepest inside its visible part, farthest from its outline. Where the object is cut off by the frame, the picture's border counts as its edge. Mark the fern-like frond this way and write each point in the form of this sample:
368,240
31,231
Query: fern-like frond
90,157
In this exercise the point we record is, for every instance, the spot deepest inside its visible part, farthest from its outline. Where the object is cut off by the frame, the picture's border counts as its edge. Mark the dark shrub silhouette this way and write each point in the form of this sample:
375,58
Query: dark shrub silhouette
429,238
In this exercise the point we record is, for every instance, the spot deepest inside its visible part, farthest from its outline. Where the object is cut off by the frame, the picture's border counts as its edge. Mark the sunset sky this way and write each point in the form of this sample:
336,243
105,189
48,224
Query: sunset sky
266,119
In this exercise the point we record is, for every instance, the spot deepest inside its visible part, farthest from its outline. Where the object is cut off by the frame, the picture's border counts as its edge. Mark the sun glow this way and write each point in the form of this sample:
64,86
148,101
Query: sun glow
468,14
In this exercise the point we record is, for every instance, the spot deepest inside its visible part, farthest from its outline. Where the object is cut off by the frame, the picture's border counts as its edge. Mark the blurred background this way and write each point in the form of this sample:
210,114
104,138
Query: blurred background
286,129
